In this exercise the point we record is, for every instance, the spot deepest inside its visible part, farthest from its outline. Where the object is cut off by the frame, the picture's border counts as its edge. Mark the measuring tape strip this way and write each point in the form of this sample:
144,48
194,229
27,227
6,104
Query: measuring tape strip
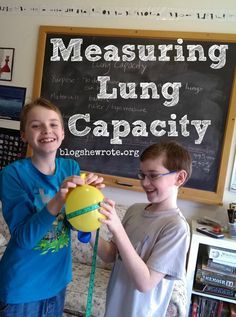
94,258
92,276
82,211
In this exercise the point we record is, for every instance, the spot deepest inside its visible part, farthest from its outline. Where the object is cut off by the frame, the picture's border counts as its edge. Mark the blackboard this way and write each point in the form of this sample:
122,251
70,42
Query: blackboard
122,90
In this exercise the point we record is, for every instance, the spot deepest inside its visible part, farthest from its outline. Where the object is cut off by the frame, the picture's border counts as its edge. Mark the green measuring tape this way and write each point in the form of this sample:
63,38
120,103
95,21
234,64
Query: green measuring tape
92,277
82,211
94,258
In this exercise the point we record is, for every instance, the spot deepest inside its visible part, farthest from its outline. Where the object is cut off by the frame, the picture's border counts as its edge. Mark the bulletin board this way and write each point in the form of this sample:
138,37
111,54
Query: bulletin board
121,90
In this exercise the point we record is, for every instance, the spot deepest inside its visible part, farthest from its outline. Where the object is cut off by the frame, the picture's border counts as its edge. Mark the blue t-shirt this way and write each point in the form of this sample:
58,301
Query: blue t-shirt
37,263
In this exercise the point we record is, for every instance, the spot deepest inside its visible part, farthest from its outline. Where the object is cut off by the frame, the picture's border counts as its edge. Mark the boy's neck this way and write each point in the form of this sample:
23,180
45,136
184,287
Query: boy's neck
46,166
156,207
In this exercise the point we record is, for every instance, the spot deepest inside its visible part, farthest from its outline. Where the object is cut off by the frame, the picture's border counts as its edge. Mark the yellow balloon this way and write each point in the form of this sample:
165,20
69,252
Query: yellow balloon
82,206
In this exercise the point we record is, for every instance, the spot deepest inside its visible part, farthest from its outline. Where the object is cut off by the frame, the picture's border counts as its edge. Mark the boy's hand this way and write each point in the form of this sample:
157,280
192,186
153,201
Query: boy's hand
74,180
112,220
69,183
57,202
94,180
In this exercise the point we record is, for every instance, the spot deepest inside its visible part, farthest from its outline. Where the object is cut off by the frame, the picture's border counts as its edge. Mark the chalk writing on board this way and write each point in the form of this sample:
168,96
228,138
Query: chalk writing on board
129,58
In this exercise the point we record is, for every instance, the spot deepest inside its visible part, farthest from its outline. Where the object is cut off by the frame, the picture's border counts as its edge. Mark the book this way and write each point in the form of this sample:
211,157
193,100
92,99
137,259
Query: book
219,308
225,263
202,306
232,310
210,265
225,310
206,307
194,311
215,290
210,307
213,278
220,254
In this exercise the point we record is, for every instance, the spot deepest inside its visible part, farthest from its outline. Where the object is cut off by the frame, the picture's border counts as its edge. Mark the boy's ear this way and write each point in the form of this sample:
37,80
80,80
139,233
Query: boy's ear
181,177
22,135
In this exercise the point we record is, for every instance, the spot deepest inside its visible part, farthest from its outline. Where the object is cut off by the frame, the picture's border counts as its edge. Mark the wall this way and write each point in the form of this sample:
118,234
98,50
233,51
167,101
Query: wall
20,30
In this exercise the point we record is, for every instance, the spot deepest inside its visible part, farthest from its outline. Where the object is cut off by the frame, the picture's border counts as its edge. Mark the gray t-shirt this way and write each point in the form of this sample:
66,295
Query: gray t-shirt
162,240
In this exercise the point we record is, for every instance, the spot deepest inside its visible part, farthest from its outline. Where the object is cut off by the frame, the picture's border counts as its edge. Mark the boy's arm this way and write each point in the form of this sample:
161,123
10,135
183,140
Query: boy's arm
27,227
25,224
143,277
106,249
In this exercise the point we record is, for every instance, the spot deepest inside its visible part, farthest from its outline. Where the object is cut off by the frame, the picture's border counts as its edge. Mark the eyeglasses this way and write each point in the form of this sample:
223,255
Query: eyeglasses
153,176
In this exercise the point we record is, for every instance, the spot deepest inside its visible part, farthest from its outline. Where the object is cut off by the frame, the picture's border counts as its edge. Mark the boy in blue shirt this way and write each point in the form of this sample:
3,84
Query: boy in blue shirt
150,246
37,266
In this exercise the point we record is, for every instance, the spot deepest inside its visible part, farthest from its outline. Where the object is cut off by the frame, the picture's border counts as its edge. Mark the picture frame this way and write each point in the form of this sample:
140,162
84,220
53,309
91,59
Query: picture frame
6,63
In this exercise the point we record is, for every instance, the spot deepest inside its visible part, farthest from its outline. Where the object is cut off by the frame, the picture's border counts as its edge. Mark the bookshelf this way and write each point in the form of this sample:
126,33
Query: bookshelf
199,244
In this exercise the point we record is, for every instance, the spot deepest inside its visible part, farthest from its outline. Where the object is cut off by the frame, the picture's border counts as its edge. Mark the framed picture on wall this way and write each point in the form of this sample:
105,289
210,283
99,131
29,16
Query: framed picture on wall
6,63
12,100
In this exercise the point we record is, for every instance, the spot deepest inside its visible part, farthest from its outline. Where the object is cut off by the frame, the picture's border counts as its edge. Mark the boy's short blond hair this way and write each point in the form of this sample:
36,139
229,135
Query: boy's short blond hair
38,102
176,157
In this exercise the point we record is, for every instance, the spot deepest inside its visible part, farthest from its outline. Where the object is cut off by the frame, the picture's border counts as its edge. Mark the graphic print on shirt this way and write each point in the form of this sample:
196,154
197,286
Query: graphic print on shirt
58,237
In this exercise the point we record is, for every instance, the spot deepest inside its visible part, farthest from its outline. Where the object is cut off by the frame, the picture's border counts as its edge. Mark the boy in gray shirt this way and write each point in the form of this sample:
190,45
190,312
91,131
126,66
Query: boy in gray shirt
150,246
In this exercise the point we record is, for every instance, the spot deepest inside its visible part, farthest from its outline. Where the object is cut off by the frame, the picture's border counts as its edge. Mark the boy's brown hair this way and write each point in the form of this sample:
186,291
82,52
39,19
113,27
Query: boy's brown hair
176,157
38,102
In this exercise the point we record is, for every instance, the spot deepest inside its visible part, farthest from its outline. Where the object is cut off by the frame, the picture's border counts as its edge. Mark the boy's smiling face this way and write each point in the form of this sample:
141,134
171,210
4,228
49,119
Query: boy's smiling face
160,189
43,130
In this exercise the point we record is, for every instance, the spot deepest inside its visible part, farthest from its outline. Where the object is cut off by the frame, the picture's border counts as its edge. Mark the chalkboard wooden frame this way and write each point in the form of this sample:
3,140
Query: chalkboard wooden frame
194,194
